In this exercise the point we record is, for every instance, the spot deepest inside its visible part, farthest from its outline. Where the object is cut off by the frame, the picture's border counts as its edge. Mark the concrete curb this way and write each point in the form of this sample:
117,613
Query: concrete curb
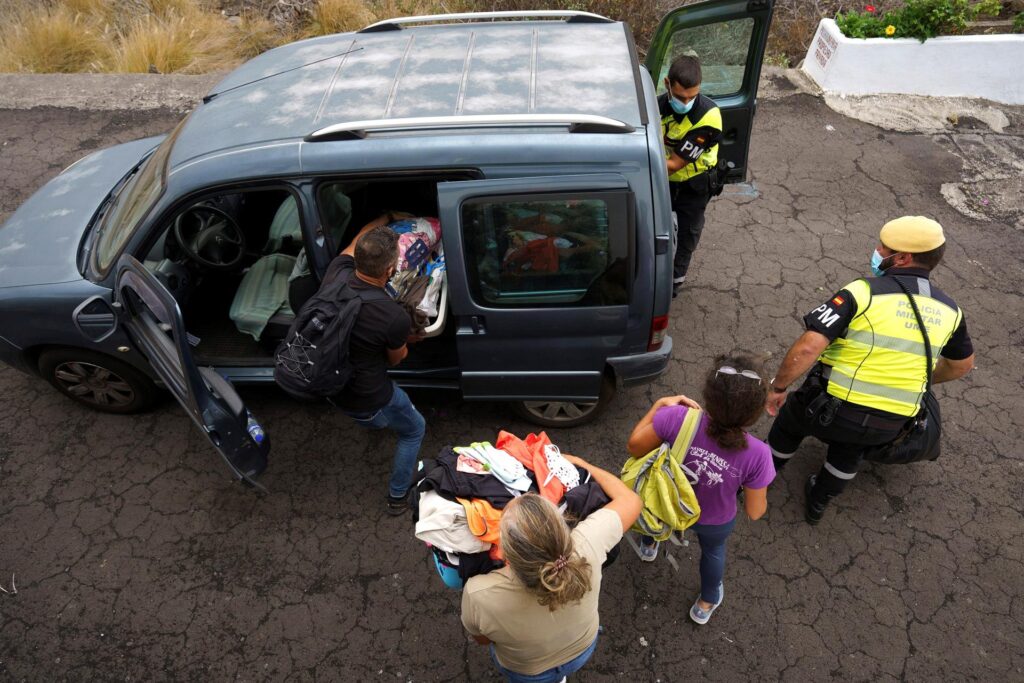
105,92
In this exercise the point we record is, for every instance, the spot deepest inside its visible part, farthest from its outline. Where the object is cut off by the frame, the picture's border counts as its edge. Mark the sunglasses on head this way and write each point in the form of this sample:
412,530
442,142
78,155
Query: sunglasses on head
729,370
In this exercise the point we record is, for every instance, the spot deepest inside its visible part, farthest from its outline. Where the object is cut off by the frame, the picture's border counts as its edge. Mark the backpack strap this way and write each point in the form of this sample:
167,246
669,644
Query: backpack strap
368,295
687,433
924,334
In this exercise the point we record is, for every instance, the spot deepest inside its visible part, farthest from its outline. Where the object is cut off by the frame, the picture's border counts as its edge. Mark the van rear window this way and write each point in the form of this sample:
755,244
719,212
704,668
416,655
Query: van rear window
548,250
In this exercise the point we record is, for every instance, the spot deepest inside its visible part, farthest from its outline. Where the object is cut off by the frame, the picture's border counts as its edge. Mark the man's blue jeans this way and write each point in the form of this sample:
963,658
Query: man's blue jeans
400,416
551,675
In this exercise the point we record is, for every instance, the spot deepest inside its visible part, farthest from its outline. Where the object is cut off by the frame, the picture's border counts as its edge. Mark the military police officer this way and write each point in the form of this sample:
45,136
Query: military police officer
691,126
867,359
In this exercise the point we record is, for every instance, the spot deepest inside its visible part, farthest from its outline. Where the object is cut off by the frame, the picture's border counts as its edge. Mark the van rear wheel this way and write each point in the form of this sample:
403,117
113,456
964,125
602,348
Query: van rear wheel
565,413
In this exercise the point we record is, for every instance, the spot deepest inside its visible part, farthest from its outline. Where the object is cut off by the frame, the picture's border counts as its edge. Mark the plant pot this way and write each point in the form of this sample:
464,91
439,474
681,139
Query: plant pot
949,66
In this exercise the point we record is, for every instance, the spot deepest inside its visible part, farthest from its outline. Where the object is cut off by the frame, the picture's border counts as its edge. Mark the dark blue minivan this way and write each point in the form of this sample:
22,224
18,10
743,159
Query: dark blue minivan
171,261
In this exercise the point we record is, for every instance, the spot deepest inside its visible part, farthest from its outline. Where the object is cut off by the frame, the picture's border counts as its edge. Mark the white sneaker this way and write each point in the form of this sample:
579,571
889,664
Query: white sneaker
649,553
701,615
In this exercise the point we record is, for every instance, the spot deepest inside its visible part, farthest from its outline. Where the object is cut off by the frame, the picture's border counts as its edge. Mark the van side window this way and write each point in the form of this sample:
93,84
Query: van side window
722,48
548,249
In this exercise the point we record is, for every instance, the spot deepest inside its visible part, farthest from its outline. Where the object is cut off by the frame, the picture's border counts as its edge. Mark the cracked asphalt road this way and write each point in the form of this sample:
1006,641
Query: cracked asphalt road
136,558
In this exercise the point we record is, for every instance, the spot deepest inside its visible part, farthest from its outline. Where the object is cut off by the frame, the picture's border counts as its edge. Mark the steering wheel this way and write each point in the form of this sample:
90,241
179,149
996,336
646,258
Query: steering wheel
210,237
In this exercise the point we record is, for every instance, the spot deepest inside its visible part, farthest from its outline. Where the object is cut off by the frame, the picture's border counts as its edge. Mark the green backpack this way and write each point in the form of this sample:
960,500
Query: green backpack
663,483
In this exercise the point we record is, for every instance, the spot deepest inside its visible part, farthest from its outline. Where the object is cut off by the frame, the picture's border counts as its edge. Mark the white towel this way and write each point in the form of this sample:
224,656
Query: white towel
507,469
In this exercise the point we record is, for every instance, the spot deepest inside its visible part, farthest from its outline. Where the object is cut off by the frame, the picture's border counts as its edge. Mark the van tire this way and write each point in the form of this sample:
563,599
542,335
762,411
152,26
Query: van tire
98,381
565,413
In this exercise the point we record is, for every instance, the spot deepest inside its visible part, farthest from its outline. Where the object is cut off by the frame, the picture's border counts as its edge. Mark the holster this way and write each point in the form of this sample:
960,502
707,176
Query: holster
821,405
824,407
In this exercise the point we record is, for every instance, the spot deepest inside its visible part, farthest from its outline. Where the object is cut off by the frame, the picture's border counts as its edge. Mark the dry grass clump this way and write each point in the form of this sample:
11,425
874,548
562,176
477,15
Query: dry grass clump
193,36
163,36
194,43
389,9
255,34
338,16
90,8
51,40
170,9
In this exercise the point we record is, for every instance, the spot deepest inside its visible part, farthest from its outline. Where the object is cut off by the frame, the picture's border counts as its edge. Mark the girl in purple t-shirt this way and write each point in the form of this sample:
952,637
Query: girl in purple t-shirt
723,457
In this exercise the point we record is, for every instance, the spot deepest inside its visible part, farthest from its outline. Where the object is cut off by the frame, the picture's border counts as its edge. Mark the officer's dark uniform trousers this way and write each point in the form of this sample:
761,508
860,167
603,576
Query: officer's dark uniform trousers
847,432
689,200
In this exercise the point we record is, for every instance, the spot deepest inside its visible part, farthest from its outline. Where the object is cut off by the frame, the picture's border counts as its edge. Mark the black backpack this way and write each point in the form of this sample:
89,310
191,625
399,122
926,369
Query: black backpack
313,361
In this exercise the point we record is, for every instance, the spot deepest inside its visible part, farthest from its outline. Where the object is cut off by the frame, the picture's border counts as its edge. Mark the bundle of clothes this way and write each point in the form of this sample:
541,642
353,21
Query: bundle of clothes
421,268
462,492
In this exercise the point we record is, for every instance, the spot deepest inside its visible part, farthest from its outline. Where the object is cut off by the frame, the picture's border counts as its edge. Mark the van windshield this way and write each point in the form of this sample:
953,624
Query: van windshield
132,202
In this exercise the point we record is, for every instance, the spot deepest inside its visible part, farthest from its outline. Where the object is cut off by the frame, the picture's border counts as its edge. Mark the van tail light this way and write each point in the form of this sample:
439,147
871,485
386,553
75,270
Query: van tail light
659,328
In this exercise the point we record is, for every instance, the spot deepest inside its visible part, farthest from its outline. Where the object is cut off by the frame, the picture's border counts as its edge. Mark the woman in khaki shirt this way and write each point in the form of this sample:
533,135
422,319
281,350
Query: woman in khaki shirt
539,612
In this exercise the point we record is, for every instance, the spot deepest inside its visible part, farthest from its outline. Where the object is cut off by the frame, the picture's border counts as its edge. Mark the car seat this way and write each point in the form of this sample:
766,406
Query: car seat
261,307
285,229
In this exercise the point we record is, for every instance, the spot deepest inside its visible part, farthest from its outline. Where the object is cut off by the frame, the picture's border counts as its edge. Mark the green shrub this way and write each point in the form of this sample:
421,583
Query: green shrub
861,24
1018,23
921,19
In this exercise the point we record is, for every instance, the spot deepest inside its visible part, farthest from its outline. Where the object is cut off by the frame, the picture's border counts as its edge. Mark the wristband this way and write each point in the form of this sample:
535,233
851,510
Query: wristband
771,385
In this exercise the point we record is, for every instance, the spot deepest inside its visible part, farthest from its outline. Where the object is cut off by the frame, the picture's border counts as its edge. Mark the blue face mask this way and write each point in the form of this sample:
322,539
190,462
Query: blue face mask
678,107
876,264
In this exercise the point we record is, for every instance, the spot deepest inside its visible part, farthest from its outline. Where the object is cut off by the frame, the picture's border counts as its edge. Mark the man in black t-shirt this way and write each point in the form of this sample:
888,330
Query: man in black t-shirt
378,341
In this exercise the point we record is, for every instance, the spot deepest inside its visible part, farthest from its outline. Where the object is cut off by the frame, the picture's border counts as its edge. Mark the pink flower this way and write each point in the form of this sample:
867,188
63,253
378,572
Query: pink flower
870,8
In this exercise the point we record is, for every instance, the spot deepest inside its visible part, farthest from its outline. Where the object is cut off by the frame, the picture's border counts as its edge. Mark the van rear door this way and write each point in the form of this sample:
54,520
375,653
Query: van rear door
539,282
729,37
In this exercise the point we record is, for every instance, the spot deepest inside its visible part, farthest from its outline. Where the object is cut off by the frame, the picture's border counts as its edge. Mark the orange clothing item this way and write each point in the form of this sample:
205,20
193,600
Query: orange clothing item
536,256
531,453
484,522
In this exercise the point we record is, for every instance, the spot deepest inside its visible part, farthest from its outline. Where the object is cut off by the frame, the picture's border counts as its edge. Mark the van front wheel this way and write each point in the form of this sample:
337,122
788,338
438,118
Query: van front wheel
98,381
565,413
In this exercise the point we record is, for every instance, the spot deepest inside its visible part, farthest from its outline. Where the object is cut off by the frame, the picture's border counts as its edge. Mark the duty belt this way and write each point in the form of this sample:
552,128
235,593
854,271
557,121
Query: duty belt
851,411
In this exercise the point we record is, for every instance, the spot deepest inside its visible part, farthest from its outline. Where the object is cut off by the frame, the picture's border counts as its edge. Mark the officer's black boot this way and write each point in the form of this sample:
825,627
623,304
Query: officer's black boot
815,500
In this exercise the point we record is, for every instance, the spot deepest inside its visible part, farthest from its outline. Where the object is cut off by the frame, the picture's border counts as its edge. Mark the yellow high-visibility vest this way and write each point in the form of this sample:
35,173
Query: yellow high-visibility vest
675,127
880,360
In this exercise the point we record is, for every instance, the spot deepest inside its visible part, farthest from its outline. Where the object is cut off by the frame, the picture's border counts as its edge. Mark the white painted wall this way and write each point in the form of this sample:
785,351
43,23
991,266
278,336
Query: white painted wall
990,67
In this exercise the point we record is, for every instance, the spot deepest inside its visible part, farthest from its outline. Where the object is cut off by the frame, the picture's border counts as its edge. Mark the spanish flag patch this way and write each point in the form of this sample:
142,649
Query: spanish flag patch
839,301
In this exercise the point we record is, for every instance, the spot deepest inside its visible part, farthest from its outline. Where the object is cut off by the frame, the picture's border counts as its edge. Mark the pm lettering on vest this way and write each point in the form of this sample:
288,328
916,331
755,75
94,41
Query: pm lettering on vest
690,150
826,315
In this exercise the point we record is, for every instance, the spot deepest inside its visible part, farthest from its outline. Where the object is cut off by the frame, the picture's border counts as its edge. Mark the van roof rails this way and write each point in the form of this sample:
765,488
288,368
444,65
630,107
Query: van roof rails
571,16
576,123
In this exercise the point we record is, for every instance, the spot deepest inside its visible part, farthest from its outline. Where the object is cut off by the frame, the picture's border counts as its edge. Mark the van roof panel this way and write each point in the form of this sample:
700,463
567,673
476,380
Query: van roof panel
542,67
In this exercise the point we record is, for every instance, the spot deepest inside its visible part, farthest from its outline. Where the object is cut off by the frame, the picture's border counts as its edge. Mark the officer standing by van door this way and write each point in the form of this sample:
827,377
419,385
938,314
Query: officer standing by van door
691,126
867,359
